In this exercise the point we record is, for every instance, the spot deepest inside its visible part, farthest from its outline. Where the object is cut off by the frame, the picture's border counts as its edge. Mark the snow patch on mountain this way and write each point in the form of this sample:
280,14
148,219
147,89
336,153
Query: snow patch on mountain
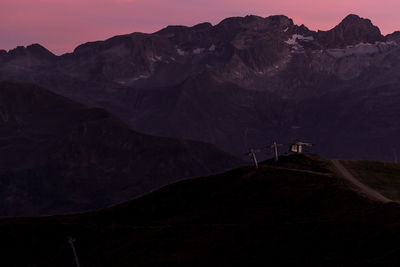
362,49
180,52
133,79
198,51
142,76
295,42
155,58
298,37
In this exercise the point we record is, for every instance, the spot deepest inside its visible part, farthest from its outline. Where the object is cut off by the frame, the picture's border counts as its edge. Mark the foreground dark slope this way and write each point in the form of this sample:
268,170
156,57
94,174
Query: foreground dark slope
60,156
241,83
295,214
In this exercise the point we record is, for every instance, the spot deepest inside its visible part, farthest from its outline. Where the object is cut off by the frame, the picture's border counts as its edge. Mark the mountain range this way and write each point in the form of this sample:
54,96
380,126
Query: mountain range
242,83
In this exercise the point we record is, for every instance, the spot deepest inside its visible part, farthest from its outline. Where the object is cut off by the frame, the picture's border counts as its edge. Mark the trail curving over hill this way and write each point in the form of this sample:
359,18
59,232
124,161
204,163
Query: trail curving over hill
364,188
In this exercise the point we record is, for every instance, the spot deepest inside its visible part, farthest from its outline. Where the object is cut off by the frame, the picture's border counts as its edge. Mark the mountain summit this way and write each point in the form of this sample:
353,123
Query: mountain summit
351,31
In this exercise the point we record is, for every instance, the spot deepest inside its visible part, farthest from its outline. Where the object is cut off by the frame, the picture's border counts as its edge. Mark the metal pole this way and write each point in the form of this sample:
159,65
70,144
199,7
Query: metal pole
254,158
276,151
71,242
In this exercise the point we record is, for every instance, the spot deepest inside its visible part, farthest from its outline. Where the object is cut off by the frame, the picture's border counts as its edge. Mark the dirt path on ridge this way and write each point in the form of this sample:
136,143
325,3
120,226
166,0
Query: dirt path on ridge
364,188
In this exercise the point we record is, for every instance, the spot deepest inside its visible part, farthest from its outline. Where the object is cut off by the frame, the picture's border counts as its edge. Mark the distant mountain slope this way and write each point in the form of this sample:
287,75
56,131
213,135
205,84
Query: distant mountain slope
59,156
294,213
242,83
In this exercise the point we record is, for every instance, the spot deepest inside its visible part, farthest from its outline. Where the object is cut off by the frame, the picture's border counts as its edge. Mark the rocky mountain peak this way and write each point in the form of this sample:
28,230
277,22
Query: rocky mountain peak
394,37
39,50
280,20
32,50
351,31
353,18
202,26
256,23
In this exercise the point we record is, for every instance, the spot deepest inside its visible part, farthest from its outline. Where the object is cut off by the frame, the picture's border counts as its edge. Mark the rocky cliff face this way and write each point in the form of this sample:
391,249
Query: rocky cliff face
243,82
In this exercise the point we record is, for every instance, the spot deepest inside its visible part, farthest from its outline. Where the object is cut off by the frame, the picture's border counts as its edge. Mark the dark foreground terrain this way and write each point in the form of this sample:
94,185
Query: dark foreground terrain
295,213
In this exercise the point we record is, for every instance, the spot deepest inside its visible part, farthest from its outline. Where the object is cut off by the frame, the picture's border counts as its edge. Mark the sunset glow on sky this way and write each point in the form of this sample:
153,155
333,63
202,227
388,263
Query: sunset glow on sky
61,25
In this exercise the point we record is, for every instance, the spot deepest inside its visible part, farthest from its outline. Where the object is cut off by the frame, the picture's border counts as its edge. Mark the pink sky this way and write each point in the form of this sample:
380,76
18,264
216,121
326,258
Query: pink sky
61,25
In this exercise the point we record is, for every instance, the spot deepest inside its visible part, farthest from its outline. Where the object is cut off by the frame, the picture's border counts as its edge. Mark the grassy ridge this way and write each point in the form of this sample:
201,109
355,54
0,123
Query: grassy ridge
274,216
384,177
